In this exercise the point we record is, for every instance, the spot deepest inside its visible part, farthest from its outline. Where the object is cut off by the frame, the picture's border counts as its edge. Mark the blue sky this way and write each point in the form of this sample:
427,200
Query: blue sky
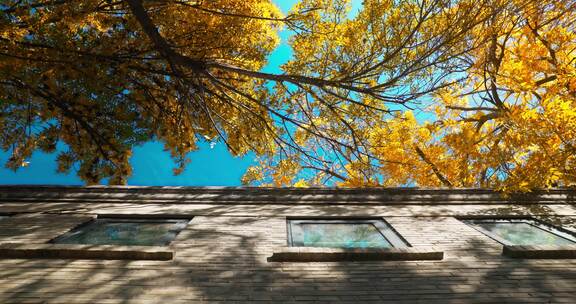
209,166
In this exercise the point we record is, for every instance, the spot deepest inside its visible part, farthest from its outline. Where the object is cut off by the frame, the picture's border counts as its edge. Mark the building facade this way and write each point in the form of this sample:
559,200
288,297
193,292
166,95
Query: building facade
250,245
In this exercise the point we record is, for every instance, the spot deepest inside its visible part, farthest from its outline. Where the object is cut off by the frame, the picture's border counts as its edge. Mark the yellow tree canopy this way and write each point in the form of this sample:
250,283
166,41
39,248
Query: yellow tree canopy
508,122
511,124
494,79
90,74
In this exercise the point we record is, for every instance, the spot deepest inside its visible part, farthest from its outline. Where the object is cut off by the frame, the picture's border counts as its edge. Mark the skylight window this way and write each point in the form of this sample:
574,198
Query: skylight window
128,232
366,233
525,232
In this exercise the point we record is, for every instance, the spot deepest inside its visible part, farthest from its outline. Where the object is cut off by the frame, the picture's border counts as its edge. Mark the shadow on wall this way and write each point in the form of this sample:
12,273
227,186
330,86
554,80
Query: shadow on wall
223,259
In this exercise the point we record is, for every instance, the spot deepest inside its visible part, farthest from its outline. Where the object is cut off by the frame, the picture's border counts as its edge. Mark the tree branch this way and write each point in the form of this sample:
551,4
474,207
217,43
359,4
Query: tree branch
437,172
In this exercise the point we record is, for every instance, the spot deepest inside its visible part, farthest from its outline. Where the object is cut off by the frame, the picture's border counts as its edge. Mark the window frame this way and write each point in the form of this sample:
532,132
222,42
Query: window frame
538,224
382,226
127,219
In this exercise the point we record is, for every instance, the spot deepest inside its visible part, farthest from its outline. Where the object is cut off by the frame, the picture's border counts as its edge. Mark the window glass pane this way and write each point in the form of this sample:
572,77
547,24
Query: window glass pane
519,233
343,235
124,232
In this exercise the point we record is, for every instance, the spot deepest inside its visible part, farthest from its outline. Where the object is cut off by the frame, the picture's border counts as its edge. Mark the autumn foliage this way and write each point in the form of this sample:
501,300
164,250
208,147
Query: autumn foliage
430,93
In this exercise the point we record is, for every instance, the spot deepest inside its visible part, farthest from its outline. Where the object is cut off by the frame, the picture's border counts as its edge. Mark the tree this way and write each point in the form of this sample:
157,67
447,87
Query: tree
90,74
510,124
105,75
495,78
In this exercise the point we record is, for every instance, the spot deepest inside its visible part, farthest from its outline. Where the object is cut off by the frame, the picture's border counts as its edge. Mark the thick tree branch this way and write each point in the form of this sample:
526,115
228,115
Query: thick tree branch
173,57
435,169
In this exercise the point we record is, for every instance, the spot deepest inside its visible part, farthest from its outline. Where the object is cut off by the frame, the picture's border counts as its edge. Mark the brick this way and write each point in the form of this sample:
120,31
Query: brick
222,255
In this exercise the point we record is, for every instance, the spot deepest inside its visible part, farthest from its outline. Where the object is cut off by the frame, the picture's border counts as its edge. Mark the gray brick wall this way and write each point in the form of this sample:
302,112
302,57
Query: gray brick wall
222,254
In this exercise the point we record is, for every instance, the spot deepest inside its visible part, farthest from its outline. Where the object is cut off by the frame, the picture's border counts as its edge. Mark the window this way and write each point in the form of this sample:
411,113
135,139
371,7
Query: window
343,233
524,232
123,231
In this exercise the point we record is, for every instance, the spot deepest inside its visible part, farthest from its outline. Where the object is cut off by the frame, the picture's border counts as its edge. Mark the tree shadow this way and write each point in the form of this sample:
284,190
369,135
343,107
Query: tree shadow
222,257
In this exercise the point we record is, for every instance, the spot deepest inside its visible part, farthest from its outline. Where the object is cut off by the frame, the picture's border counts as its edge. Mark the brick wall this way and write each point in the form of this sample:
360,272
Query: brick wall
222,254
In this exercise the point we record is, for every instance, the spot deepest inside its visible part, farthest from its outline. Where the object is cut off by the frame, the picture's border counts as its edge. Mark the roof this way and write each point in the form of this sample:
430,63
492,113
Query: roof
256,195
